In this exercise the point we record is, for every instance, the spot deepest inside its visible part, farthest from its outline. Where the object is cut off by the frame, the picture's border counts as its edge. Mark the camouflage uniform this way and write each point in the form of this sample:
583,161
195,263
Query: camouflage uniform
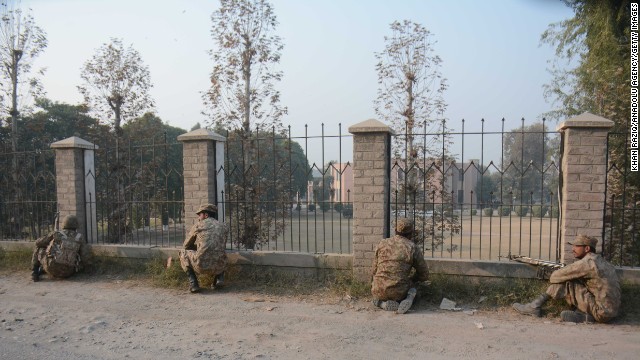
392,266
590,284
60,253
204,248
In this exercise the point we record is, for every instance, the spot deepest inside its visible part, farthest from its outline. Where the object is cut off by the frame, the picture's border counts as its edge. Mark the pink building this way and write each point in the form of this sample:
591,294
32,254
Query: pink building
342,182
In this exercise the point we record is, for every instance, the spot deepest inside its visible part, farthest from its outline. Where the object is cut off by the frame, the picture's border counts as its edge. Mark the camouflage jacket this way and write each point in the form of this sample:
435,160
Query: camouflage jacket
394,259
66,252
207,238
598,276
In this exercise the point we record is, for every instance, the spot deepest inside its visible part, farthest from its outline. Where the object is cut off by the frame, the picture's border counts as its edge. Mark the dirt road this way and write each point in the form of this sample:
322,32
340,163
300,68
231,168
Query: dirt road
98,318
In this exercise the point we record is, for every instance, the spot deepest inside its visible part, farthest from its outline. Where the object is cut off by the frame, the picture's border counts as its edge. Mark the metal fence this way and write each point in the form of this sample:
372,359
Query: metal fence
288,193
621,241
466,206
27,194
139,192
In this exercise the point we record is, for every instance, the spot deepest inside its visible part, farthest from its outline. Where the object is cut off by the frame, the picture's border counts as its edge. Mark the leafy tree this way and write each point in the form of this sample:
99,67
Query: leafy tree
243,96
597,41
57,121
116,84
21,41
263,194
156,165
487,188
526,163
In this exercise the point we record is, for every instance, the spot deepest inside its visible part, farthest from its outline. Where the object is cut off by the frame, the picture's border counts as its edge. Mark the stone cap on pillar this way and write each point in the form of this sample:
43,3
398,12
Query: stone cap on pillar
201,134
585,120
370,126
73,142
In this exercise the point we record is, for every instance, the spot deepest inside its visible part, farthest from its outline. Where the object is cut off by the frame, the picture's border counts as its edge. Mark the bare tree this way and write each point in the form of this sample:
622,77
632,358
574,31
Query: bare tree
410,84
242,92
116,84
21,41
243,96
410,99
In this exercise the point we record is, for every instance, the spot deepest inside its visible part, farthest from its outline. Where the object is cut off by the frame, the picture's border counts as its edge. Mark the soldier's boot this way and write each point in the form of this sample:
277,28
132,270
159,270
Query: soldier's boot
35,274
194,287
576,317
389,305
405,304
218,281
533,308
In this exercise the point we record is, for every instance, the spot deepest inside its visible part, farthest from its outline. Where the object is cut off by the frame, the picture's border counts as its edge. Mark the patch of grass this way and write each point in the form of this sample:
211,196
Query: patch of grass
343,283
630,309
166,277
11,261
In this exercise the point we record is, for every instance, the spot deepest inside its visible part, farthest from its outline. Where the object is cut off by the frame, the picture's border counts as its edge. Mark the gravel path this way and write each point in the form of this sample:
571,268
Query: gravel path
98,318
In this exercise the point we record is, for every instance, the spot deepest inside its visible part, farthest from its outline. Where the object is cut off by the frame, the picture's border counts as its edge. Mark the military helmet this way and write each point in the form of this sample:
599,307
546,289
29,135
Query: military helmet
404,226
210,208
70,222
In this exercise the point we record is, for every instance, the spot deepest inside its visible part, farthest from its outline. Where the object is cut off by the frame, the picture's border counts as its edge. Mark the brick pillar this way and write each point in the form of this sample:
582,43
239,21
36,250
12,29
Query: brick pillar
371,202
203,160
75,183
583,173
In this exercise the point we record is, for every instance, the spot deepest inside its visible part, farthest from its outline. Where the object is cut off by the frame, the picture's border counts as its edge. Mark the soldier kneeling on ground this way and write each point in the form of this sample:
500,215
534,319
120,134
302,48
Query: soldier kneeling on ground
204,249
392,288
61,253
590,285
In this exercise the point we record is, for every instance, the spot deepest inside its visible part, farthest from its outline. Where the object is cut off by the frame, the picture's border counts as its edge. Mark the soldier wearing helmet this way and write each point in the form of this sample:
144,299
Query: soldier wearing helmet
392,287
60,253
204,249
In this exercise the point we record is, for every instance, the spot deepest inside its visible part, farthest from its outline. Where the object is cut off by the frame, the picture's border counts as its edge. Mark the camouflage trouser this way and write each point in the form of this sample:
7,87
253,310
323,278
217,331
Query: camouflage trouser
40,258
395,292
576,294
208,266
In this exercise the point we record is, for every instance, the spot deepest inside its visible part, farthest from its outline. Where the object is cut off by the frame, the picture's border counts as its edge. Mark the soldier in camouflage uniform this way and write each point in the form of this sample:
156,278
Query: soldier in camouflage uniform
590,285
392,288
60,253
204,249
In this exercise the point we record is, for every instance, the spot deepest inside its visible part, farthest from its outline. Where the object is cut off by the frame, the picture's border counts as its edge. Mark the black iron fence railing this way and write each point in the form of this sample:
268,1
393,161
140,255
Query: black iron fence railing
465,206
288,193
621,229
138,196
28,203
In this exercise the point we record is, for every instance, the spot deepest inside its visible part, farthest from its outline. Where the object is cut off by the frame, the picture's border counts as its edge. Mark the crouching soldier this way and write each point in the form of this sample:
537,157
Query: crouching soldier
61,253
590,285
392,287
204,249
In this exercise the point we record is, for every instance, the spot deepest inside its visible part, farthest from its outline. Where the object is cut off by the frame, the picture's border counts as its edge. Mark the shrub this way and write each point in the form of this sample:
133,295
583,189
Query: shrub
338,207
325,206
474,211
505,210
555,212
539,210
311,207
347,211
488,211
522,210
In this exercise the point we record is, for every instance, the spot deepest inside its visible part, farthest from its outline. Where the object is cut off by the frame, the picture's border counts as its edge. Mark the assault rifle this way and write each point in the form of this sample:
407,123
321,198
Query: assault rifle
545,267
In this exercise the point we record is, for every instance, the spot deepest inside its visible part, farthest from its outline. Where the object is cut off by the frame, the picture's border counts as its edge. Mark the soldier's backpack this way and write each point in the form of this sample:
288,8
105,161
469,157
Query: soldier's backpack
64,251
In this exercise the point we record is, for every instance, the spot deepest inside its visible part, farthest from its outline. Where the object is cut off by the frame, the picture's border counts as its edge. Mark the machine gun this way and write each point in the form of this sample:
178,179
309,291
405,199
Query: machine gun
545,267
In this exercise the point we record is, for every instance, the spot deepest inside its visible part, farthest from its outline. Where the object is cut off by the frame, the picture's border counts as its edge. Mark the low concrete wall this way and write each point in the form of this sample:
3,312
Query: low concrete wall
312,264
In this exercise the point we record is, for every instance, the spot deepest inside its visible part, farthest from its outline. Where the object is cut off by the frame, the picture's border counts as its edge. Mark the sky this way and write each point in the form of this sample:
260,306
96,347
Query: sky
492,57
